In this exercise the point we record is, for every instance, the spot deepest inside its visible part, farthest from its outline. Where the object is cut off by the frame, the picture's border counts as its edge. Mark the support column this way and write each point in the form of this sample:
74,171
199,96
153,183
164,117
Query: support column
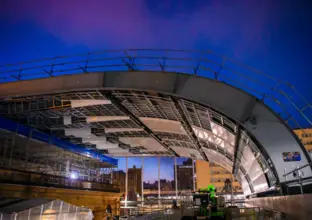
26,149
142,182
112,175
194,178
126,184
175,177
12,146
67,173
158,180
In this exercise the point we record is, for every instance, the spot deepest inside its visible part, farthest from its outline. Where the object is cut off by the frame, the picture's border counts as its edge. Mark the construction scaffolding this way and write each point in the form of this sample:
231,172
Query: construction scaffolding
22,153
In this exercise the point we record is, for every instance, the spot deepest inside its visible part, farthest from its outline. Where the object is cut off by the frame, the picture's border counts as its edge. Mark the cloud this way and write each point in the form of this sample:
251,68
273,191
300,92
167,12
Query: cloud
243,25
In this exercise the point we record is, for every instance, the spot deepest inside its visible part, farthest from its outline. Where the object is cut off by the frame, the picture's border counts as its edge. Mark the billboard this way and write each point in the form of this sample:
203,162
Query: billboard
291,156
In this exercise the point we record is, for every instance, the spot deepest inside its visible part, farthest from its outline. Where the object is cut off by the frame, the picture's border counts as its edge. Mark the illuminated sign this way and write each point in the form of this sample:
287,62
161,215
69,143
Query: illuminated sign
291,156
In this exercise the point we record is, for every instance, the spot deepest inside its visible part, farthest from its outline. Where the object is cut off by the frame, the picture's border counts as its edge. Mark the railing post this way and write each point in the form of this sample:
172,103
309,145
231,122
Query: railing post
126,184
41,210
12,146
27,145
158,181
76,213
176,177
193,173
142,182
59,215
300,180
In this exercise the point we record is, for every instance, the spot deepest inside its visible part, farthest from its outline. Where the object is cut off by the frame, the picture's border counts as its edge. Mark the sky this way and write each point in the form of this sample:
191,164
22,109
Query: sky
273,36
150,169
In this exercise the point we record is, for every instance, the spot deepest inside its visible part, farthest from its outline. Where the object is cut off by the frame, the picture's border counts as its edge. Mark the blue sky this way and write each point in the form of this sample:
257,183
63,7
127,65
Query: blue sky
273,36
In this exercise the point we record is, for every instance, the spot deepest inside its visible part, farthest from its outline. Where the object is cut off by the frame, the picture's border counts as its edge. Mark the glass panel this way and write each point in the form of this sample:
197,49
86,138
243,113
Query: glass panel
53,210
167,186
208,136
134,178
150,178
244,183
247,159
260,184
184,175
223,133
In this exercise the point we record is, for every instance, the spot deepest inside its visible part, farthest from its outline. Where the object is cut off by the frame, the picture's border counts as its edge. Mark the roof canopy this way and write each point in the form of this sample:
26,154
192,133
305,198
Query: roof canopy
148,113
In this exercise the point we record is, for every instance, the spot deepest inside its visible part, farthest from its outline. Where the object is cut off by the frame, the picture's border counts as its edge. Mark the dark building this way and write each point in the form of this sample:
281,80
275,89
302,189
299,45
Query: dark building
119,178
134,183
185,175
151,186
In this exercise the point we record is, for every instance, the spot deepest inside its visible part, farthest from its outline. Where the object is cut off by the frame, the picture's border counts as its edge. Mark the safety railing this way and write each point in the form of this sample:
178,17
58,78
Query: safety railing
10,176
281,96
299,177
245,213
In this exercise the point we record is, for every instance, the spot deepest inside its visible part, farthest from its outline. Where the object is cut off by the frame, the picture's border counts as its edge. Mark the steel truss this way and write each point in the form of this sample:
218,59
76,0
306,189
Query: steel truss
47,113
134,117
39,110
25,154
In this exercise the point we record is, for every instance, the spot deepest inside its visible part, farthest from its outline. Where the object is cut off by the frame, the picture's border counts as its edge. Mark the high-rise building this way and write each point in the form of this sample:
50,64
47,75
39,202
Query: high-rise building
134,183
119,178
185,175
305,135
210,173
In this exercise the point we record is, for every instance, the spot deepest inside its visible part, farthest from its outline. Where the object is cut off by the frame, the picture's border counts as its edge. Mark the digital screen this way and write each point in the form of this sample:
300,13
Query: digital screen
291,156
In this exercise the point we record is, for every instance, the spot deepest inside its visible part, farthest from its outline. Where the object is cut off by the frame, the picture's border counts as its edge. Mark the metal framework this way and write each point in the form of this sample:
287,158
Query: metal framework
123,107
26,154
187,126
137,106
48,112
278,94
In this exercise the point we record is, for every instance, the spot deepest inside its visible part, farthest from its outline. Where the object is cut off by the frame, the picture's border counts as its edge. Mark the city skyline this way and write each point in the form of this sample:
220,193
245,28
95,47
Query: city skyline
150,172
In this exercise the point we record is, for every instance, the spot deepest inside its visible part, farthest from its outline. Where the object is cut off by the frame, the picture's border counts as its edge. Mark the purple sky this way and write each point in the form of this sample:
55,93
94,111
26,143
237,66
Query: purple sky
271,35
244,25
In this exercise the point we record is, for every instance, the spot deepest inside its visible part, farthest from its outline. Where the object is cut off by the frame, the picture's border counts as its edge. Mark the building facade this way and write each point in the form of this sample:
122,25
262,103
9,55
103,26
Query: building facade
134,183
185,175
119,178
209,173
305,135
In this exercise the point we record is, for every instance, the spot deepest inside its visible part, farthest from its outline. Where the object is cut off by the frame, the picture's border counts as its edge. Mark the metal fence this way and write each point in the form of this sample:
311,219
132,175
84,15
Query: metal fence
253,213
53,210
281,96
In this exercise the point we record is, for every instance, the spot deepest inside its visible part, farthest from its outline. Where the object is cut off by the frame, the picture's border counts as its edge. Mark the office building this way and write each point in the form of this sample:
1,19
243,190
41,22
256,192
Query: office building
305,135
134,183
209,173
185,175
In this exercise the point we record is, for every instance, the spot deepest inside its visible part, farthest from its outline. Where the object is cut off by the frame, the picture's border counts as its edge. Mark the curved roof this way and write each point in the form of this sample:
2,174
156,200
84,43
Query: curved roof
141,113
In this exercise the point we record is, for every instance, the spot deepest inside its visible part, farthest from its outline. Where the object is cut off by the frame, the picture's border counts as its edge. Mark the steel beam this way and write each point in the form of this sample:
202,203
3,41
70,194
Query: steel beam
248,179
188,127
119,105
176,177
142,182
26,106
158,180
126,184
237,148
